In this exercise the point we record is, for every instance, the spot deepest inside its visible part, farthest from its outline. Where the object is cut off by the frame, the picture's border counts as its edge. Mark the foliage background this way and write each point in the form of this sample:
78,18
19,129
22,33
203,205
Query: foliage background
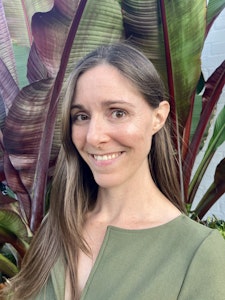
213,54
167,36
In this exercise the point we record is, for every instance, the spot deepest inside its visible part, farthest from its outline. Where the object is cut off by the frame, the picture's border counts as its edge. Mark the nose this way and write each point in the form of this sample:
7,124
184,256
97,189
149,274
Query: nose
97,133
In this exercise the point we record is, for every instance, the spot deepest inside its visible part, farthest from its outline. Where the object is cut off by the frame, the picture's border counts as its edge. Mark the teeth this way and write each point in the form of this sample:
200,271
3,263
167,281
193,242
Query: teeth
106,157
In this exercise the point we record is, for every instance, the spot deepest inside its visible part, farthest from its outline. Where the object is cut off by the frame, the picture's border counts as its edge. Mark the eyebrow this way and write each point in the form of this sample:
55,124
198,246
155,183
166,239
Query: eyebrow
104,104
77,106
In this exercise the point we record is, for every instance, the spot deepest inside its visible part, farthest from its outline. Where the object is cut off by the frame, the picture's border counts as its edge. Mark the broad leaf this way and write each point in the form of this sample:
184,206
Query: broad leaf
31,156
8,87
19,14
211,95
6,49
169,42
214,192
7,267
214,8
27,139
101,22
216,140
13,228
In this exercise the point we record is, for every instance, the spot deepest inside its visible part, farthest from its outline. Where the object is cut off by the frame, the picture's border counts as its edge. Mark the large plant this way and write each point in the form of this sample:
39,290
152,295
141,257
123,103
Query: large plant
172,35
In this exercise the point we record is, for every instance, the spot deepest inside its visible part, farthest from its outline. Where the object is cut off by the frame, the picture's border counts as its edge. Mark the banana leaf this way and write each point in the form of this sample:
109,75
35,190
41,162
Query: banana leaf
6,49
7,267
19,14
30,123
8,89
214,8
92,22
60,37
211,95
167,39
217,139
13,228
216,189
16,38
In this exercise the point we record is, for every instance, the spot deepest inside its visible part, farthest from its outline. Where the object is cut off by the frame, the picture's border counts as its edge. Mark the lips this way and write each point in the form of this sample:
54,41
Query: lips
106,156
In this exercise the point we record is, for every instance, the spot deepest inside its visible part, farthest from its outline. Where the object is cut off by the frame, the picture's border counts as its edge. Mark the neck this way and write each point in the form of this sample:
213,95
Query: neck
130,203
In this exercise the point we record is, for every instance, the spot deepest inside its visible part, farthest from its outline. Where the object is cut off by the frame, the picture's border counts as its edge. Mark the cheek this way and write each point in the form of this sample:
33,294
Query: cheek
77,137
136,135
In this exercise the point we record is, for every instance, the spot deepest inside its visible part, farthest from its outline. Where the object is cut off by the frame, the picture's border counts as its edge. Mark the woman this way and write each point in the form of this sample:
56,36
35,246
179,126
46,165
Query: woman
116,227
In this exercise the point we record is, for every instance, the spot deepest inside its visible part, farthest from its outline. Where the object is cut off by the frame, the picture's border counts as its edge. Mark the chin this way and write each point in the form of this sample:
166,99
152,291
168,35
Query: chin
107,181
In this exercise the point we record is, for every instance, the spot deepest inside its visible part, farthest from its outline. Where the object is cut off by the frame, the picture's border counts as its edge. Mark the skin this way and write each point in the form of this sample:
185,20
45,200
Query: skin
112,129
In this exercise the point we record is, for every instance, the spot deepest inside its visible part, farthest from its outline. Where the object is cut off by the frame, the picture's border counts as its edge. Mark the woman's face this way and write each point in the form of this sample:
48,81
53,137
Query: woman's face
112,126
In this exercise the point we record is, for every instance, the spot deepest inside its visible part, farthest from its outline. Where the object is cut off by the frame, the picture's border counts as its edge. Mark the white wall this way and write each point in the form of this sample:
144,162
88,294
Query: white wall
212,56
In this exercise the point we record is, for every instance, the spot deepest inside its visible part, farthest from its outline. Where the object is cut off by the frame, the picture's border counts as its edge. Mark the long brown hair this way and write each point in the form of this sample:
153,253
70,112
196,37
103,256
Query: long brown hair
74,190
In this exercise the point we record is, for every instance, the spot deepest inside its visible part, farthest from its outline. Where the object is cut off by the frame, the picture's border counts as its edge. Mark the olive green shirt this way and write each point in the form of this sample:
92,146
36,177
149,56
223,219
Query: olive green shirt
178,260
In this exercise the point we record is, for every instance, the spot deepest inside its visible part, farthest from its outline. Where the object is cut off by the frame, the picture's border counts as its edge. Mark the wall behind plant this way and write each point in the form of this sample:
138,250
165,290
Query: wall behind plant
212,56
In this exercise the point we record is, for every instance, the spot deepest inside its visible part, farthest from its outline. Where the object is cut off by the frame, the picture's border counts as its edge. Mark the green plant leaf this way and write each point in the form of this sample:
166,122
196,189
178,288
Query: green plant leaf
214,8
7,267
167,39
214,192
13,229
216,140
21,57
211,95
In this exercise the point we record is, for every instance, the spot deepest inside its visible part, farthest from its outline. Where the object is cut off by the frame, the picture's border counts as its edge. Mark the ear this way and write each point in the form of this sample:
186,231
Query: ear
160,115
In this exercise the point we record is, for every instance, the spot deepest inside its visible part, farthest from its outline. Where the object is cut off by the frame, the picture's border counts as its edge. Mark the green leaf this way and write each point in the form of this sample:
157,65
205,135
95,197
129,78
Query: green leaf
167,39
197,108
13,229
7,267
12,222
218,134
213,10
214,192
216,140
201,84
210,97
21,57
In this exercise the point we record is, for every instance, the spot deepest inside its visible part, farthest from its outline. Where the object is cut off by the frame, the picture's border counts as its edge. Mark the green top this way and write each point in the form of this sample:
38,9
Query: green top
178,260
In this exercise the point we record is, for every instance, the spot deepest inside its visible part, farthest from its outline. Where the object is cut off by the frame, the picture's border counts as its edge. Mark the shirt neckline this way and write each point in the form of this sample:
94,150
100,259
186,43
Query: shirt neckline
132,230
111,228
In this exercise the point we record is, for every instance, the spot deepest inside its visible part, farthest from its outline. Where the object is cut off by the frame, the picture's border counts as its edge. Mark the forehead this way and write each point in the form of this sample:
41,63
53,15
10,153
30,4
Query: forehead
101,79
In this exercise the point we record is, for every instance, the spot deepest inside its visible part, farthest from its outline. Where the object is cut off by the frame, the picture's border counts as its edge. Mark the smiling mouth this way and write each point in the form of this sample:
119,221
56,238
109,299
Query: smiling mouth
107,156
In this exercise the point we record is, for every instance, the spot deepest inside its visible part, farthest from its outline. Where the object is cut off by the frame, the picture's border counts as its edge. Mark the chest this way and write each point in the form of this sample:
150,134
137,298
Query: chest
86,262
131,266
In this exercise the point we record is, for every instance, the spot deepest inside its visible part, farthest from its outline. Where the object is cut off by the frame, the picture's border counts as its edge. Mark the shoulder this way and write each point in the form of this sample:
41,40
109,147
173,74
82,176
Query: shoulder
208,263
192,229
190,235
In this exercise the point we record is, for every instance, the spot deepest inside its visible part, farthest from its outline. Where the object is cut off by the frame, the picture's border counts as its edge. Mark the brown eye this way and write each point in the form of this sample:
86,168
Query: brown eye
79,118
118,114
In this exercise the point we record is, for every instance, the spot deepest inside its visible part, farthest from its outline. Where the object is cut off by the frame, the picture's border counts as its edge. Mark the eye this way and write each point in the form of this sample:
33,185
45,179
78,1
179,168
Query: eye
118,114
79,117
